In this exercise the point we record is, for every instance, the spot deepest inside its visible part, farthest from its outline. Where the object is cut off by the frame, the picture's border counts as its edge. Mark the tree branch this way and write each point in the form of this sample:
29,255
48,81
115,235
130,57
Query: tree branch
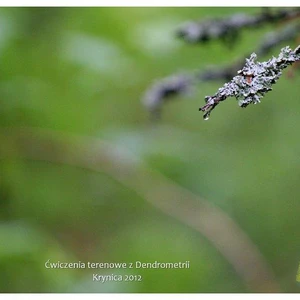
228,29
253,81
163,90
182,84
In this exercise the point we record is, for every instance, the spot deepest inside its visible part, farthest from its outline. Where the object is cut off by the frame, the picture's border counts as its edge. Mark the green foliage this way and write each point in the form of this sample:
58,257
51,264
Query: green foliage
83,71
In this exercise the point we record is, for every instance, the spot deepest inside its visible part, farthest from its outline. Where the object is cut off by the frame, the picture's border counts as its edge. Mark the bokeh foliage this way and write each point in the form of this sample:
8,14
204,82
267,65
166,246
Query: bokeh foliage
83,71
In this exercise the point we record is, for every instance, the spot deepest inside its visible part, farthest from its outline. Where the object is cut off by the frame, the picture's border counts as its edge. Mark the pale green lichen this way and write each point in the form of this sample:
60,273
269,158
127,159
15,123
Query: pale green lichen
253,81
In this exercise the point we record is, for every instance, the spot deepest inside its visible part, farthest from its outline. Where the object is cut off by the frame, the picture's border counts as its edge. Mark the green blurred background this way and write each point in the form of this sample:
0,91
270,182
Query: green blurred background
83,71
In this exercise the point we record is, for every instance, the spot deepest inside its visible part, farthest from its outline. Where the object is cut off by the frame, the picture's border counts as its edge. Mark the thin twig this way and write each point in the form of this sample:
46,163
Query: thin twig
164,90
229,28
253,81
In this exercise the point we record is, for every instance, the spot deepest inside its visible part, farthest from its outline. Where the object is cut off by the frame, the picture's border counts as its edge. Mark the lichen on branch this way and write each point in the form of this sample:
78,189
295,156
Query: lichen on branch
253,81
184,84
229,28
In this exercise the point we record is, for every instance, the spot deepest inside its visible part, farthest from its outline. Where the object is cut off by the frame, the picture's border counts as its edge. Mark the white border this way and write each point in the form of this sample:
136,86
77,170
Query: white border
144,3
148,3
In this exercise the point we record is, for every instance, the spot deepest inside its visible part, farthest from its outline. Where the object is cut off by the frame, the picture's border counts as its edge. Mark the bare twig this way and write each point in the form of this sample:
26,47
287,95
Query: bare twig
165,89
168,197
